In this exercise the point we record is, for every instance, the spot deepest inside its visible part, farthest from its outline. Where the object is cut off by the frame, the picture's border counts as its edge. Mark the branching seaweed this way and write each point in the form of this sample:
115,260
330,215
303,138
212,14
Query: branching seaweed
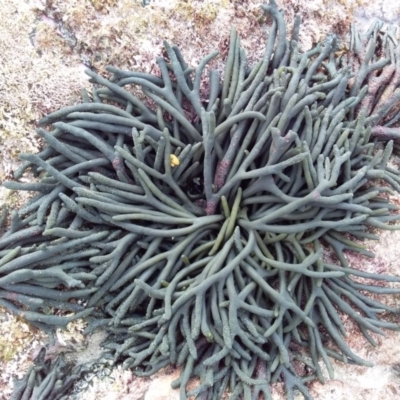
198,243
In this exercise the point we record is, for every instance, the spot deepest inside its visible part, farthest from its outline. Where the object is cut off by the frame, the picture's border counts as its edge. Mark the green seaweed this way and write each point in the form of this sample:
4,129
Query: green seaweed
212,262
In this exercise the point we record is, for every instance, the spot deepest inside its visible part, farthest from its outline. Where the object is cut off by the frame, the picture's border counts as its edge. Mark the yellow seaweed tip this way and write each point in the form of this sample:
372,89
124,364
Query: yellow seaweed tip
174,160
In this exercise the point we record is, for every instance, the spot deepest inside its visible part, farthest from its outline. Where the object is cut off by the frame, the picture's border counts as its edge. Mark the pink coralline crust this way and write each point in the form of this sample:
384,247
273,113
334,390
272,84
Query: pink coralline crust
316,196
222,172
116,163
373,86
379,131
201,203
386,133
211,207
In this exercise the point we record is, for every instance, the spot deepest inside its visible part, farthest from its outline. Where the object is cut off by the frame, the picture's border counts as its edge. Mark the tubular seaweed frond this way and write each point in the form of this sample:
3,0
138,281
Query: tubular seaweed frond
212,262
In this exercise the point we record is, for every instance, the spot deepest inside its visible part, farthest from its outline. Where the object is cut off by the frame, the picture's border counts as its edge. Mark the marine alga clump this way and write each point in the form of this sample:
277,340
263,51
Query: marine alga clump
197,241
